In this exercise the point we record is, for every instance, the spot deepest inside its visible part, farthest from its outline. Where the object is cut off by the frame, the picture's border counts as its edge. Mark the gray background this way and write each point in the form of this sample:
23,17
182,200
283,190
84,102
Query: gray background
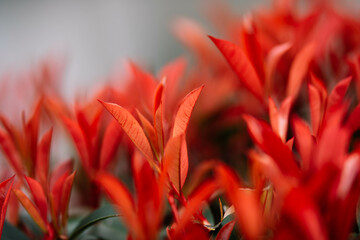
94,37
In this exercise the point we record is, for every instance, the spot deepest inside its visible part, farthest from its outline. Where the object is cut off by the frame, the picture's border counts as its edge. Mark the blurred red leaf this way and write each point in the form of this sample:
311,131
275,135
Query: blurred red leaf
42,161
5,190
31,209
241,65
39,197
123,200
271,144
110,142
299,69
245,201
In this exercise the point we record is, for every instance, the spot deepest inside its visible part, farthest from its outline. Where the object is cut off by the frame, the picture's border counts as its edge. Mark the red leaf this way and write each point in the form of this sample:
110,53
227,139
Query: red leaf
172,72
301,210
133,129
158,126
121,197
279,117
337,95
31,130
12,155
272,61
80,143
184,112
196,202
252,46
158,96
271,144
316,109
174,161
42,161
245,201
31,209
142,86
110,142
65,198
150,133
225,231
149,195
39,197
56,197
5,190
304,142
241,65
271,171
299,69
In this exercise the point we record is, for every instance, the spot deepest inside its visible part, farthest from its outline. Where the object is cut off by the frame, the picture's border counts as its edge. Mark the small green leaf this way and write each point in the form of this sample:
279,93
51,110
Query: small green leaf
10,233
96,216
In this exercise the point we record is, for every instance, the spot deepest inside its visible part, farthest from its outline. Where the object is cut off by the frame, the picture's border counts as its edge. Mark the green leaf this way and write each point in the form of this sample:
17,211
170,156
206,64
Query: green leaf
96,216
10,233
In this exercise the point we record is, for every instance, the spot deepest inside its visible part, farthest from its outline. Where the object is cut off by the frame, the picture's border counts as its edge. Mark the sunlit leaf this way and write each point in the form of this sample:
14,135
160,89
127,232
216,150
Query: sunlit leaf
184,112
133,129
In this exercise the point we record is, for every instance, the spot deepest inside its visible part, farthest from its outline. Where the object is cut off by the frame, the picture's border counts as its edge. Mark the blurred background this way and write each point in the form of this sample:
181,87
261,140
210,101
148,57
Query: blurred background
94,37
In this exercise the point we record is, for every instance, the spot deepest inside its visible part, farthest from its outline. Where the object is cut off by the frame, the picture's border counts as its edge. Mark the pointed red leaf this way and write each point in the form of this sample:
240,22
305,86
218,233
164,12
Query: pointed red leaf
31,209
142,86
175,162
5,190
245,201
316,109
42,161
184,112
172,72
241,65
158,96
269,169
110,143
271,144
158,126
332,145
11,153
79,140
299,69
39,197
337,95
304,142
65,198
133,129
149,195
272,61
252,46
150,133
56,198
302,212
225,231
196,202
123,200
279,117
31,130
